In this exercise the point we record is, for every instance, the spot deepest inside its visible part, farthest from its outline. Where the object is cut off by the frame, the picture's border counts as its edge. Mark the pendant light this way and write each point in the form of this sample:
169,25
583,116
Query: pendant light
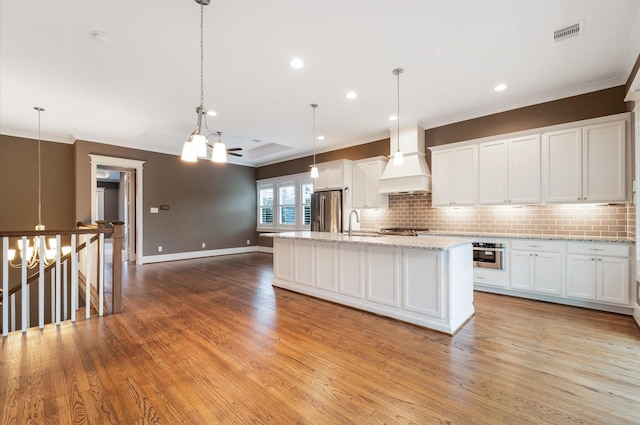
196,146
314,169
31,253
398,158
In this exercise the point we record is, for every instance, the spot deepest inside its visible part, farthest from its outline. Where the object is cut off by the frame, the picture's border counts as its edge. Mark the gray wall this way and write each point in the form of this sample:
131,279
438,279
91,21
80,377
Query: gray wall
210,203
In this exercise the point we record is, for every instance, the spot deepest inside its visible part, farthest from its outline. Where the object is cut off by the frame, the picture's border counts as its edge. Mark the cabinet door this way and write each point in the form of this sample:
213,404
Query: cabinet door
373,172
581,277
522,270
383,276
441,178
613,280
524,170
359,185
562,165
604,162
547,273
492,172
334,176
464,175
351,278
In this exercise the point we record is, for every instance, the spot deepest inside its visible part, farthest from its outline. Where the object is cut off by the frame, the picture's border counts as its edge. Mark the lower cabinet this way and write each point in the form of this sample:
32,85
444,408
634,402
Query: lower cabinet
599,272
537,266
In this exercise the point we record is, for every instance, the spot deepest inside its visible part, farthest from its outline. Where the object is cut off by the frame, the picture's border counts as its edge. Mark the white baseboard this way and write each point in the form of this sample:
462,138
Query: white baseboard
636,314
197,254
266,249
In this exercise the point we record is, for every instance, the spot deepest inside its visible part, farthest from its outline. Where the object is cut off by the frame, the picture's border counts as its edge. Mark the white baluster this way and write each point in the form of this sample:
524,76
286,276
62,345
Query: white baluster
58,247
65,291
41,283
101,274
74,278
13,312
5,286
52,297
25,289
88,278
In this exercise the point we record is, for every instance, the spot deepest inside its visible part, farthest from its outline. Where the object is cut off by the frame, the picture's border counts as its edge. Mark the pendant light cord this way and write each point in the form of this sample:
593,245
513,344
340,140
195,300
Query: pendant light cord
314,106
201,54
39,109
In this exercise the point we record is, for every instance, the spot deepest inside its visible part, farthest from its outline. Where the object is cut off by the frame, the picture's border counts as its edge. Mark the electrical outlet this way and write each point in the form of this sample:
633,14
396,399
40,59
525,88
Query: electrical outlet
204,245
159,248
248,242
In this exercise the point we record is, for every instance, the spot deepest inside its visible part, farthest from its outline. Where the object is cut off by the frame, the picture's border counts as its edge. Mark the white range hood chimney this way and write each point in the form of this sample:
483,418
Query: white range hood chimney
412,176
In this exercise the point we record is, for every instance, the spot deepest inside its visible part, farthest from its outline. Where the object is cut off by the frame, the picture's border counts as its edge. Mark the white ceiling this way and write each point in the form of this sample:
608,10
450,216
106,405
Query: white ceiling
141,88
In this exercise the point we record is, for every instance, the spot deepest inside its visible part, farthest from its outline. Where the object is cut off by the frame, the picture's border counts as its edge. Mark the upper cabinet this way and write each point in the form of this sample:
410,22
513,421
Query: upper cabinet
333,175
366,173
509,171
585,164
454,174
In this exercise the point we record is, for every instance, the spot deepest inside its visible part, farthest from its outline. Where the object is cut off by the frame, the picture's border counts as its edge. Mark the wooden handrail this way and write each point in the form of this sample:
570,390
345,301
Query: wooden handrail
116,237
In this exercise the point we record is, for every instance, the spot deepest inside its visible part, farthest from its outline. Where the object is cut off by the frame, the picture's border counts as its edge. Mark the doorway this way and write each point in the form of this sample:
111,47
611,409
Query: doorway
125,175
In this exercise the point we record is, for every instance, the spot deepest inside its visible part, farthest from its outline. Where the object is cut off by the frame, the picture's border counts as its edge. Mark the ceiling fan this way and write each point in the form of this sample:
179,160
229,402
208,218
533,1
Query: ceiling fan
232,151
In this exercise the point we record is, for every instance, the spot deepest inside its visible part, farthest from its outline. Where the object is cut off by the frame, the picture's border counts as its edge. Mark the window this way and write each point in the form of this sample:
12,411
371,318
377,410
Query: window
265,205
307,190
285,202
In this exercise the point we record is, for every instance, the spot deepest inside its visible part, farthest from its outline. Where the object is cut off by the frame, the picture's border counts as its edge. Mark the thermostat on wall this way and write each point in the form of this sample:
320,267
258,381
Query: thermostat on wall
164,207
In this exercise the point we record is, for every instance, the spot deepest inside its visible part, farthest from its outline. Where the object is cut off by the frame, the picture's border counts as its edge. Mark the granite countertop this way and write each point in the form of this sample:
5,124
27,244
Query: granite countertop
432,242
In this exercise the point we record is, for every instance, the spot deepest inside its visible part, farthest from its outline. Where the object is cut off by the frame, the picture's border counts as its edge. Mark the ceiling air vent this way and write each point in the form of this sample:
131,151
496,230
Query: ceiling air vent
568,31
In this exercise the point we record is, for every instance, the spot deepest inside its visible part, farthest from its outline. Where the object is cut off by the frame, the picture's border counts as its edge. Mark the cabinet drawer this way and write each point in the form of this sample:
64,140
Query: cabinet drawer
612,250
490,277
537,245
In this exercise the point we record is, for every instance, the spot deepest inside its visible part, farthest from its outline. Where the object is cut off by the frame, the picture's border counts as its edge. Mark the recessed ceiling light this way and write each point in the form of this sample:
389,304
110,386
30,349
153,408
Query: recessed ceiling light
320,137
297,63
393,118
351,95
500,87
211,113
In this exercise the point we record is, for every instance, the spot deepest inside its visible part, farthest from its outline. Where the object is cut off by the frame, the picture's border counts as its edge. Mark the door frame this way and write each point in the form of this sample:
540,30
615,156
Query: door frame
137,167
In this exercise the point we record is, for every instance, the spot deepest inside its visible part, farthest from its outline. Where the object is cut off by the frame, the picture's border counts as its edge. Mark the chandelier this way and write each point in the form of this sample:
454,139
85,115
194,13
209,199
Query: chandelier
196,146
31,252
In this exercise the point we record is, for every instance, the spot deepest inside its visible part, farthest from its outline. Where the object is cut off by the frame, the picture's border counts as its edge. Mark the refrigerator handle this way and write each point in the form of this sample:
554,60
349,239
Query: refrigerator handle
322,214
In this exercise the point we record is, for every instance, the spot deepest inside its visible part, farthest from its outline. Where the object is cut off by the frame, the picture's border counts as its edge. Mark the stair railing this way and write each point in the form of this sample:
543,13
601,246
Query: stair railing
86,259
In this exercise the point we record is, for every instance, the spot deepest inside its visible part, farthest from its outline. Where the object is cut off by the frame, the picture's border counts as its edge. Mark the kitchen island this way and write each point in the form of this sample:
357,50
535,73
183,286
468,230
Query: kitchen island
425,280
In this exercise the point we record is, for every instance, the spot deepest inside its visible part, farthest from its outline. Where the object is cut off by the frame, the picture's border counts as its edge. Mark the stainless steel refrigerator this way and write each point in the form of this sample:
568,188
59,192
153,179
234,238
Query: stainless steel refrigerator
326,211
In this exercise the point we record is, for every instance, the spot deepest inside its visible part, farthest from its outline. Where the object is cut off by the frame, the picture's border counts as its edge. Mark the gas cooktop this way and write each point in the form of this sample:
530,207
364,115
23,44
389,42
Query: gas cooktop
403,231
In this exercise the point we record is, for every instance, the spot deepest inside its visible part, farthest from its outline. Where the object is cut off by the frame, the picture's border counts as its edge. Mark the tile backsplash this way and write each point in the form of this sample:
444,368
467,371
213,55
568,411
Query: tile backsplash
414,210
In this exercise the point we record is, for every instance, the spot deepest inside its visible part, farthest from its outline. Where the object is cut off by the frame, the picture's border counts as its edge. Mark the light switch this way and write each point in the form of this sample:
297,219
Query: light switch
154,210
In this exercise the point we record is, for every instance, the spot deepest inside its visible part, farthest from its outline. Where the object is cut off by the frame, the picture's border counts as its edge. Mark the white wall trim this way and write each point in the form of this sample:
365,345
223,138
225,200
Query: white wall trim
197,254
636,314
265,249
137,166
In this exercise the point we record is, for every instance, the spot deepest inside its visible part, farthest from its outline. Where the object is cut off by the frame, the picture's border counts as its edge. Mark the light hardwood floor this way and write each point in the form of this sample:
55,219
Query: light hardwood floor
210,341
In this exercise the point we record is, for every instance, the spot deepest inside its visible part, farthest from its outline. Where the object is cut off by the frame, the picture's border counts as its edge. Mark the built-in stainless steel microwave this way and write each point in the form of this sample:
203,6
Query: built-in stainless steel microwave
489,255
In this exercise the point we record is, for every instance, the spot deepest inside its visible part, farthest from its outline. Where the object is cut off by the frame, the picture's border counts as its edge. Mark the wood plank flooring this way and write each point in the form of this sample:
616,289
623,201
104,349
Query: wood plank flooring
210,341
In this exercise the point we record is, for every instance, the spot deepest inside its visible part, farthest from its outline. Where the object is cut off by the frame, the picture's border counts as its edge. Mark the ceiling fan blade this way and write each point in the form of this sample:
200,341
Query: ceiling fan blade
234,149
233,154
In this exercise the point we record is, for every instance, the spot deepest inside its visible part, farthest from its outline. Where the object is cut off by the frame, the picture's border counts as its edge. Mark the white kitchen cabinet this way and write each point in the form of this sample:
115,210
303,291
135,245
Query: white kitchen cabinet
585,164
509,171
333,175
599,272
537,266
454,176
490,277
366,173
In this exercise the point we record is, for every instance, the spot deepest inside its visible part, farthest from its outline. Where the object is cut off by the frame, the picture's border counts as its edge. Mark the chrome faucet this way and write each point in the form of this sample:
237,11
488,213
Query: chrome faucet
357,220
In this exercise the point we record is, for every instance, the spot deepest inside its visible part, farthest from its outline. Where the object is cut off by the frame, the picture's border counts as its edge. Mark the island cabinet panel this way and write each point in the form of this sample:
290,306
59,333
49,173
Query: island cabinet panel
283,262
303,260
327,270
383,275
421,274
427,281
351,279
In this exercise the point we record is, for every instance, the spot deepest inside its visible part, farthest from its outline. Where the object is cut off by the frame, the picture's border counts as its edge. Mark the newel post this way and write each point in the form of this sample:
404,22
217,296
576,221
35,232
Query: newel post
116,271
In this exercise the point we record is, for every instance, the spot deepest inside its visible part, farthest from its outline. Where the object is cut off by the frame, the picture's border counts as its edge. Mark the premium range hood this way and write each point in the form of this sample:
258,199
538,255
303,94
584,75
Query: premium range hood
412,176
